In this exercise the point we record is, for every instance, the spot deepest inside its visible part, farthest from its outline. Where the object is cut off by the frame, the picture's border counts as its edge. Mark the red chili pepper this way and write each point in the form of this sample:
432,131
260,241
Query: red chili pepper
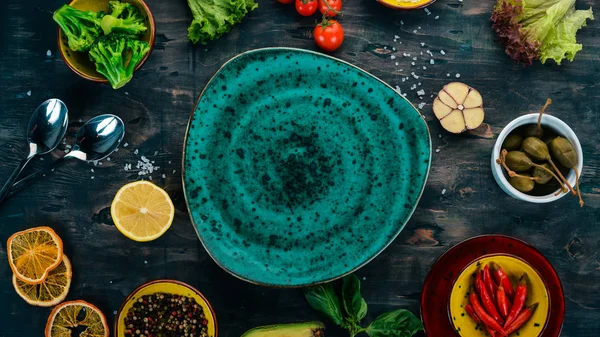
519,302
491,332
483,316
471,313
489,283
521,319
478,276
503,280
488,303
503,302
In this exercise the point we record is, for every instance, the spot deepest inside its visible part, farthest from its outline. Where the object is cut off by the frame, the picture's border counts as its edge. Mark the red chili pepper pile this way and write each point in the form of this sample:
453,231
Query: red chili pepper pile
494,302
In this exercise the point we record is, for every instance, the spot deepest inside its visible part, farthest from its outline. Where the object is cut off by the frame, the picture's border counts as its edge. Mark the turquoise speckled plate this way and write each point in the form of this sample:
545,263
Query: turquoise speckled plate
299,168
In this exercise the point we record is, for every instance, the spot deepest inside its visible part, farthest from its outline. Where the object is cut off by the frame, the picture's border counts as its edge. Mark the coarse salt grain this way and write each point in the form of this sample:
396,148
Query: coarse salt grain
442,52
49,53
126,145
437,17
164,176
136,151
421,92
29,93
443,191
415,31
432,61
457,75
412,63
424,68
437,150
448,75
393,57
422,104
422,44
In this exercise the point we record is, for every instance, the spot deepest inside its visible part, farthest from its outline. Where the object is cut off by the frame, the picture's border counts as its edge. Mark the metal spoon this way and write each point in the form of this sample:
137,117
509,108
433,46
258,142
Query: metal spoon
46,129
96,140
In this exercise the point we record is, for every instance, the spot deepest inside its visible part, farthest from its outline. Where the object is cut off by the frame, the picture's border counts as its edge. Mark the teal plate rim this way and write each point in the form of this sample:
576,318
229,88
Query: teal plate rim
400,228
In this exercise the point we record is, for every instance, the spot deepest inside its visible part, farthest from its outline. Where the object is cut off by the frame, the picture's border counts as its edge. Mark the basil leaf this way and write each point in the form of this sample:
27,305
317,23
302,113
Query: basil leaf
398,323
354,305
324,299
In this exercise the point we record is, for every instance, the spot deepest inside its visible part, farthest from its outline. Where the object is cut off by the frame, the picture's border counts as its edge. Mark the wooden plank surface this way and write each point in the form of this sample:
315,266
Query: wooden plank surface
461,199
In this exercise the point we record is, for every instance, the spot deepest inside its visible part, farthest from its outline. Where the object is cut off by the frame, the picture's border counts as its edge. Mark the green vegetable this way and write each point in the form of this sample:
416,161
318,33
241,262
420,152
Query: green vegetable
539,29
124,18
354,305
323,298
82,28
213,18
398,323
116,57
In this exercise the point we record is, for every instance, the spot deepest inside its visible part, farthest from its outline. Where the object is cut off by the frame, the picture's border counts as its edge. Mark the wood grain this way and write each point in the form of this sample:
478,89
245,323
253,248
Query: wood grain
461,199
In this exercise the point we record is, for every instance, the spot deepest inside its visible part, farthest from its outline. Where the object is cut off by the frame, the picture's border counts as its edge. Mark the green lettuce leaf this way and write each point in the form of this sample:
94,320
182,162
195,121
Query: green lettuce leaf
213,18
561,41
539,29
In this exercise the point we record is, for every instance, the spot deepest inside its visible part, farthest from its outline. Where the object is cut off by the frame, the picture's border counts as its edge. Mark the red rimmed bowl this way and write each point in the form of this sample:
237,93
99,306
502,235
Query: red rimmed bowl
170,287
79,62
437,290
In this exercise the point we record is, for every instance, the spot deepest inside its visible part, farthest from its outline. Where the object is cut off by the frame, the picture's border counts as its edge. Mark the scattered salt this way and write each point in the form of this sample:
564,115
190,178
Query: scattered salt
427,11
174,171
437,17
401,22
422,104
393,57
421,92
92,170
126,145
29,93
424,68
419,27
442,52
67,150
415,31
443,191
49,53
422,44
440,135
126,93
136,151
92,177
397,64
457,75
412,63
108,159
437,150
164,176
448,75
145,262
432,61
364,278
396,37
169,162
155,153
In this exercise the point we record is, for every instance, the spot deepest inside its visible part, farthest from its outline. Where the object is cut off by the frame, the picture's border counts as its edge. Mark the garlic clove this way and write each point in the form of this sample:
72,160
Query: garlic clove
440,109
454,122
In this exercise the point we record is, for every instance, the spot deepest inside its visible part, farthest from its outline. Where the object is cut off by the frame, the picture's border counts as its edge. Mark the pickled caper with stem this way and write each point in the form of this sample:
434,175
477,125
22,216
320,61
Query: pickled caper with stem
522,183
519,162
538,150
563,151
512,142
544,174
536,130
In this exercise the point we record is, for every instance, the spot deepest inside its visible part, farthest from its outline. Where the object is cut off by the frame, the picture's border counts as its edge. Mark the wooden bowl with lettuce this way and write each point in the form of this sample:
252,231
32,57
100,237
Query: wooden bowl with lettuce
105,41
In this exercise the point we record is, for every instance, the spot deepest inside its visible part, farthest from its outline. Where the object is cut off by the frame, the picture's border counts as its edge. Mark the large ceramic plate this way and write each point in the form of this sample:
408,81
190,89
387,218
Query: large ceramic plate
300,168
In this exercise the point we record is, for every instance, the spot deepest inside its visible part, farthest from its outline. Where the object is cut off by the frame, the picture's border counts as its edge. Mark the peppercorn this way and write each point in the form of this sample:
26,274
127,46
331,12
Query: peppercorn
166,315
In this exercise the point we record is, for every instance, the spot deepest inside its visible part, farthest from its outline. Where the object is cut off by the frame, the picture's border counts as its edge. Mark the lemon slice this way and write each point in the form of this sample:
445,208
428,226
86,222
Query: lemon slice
142,211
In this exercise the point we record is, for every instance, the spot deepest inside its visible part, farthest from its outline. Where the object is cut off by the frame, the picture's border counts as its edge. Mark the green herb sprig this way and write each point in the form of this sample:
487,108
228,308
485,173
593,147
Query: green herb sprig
323,298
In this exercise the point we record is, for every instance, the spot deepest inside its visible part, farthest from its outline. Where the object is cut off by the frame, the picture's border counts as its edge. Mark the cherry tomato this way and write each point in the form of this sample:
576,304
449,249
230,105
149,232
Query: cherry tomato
285,1
329,35
334,4
306,7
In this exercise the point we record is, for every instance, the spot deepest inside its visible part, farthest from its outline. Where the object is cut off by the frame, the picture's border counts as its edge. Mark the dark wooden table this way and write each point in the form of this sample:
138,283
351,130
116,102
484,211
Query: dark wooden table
461,199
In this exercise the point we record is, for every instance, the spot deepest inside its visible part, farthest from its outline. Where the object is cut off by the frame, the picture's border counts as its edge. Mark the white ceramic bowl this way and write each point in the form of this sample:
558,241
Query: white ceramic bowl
552,122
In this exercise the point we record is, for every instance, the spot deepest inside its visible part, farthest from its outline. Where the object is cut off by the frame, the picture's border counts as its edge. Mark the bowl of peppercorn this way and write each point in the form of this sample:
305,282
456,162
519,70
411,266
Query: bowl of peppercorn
166,308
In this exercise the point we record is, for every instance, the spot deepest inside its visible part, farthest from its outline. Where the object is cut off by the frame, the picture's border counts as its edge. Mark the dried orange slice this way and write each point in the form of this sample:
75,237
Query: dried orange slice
76,314
33,253
142,211
52,291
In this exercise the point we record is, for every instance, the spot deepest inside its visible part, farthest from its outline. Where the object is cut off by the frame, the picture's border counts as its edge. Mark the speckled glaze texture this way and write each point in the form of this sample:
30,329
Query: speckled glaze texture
300,168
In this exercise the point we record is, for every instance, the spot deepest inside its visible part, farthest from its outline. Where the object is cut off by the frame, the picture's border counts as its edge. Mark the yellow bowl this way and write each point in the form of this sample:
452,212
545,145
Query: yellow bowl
169,287
514,268
406,4
80,62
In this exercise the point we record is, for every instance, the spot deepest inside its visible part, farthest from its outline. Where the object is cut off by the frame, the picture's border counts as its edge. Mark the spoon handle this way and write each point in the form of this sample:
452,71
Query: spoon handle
4,192
19,185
